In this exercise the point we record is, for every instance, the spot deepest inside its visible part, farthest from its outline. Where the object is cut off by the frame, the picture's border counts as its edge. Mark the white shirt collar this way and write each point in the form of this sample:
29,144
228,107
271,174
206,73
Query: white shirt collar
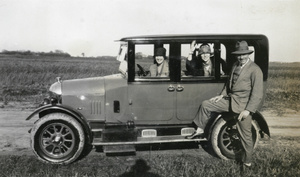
245,63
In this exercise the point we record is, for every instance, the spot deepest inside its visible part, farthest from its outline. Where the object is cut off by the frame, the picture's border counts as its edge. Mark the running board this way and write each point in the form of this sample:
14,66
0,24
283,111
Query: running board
150,140
118,148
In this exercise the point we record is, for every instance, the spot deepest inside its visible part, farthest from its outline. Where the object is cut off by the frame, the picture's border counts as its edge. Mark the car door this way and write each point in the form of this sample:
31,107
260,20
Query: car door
151,102
195,89
151,98
193,93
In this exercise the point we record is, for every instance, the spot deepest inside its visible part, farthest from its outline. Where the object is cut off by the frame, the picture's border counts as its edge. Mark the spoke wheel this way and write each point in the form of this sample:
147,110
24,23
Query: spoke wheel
229,140
225,139
57,138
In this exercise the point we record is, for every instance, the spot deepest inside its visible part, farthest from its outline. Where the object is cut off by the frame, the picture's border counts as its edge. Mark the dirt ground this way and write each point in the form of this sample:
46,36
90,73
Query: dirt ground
14,136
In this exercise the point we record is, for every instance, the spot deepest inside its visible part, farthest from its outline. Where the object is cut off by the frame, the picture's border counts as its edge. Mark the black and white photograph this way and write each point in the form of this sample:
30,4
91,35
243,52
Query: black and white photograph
160,88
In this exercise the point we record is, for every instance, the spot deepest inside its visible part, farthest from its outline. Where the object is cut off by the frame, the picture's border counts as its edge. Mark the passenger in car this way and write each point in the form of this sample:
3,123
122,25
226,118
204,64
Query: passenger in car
160,68
202,64
241,95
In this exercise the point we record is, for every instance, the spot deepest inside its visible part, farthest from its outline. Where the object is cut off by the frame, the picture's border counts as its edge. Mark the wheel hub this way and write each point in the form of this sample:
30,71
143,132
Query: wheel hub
57,139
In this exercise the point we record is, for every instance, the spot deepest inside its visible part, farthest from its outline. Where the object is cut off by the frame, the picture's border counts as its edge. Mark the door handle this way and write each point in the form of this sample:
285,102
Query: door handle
180,88
171,88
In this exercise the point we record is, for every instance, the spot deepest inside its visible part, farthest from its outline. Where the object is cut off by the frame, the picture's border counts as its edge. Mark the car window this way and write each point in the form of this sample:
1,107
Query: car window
251,56
190,70
224,65
146,66
197,67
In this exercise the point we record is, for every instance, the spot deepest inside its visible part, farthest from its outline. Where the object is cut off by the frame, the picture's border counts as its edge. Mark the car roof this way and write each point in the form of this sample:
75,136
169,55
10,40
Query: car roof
170,37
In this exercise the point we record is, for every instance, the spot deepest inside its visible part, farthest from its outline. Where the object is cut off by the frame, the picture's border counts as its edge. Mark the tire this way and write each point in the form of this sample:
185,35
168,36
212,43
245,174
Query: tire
57,138
225,139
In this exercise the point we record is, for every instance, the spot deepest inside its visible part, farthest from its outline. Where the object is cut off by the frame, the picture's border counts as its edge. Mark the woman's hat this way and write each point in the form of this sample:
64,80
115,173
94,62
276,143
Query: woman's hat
204,48
242,48
160,52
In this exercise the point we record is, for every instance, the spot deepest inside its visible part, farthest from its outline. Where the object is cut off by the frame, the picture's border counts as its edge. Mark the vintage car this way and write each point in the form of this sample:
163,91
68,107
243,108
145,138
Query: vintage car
121,111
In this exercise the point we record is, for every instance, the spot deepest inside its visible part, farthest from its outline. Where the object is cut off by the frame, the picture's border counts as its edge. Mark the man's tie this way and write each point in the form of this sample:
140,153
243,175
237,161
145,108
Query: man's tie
236,73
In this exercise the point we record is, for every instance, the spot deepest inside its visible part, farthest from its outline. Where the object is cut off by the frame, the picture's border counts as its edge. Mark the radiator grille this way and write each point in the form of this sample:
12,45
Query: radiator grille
95,107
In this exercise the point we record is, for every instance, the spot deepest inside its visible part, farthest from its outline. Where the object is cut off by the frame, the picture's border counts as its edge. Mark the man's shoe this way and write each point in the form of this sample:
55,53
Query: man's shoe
198,133
195,135
247,164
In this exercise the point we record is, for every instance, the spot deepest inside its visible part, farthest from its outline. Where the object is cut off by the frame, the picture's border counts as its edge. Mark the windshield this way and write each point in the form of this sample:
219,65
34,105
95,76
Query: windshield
122,52
122,57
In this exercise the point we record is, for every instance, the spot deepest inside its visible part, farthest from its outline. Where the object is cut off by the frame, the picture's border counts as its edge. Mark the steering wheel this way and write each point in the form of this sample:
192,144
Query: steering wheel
141,70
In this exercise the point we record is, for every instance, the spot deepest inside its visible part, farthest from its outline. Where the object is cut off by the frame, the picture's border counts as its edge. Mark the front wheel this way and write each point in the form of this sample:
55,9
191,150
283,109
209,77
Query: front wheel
57,138
225,139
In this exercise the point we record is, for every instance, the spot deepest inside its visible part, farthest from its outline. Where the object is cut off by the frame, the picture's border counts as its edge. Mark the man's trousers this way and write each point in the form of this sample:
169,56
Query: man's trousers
244,126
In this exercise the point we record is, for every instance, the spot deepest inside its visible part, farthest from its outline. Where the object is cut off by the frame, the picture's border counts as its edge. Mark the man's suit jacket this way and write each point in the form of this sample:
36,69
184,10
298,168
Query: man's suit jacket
247,92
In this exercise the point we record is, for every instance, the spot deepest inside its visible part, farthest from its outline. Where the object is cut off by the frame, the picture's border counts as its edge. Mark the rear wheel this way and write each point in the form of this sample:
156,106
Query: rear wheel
225,139
57,138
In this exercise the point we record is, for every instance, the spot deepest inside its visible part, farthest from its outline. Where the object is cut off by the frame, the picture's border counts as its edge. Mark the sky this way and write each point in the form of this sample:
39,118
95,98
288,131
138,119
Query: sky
92,27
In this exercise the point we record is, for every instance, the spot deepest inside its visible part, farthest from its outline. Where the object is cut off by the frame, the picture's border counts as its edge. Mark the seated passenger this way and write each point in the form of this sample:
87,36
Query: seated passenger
160,68
202,65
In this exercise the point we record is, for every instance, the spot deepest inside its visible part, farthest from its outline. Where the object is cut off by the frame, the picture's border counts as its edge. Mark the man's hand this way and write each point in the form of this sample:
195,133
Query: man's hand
243,115
216,98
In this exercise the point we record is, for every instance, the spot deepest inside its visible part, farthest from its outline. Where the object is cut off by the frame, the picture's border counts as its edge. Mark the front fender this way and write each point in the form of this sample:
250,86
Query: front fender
47,109
57,107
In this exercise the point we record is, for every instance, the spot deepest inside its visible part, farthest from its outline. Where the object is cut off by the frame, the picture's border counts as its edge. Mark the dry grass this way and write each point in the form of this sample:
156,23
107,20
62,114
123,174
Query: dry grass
276,157
283,87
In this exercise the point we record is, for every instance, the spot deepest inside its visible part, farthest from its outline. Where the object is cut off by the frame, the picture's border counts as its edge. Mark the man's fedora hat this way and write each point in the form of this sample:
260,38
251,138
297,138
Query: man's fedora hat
242,48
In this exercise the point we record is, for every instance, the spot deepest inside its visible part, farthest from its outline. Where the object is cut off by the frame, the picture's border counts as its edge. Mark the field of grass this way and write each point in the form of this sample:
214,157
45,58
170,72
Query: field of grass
277,157
283,87
28,79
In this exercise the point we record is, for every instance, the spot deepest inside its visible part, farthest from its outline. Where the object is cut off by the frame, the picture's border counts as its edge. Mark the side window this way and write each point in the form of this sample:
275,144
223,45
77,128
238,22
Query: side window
251,56
185,49
151,63
224,65
200,64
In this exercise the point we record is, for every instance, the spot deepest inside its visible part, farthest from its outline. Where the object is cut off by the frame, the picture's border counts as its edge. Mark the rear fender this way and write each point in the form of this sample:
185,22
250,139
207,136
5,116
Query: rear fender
258,117
48,109
262,123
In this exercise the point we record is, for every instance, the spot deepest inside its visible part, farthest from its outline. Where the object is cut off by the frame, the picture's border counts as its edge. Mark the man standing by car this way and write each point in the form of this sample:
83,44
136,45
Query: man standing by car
241,95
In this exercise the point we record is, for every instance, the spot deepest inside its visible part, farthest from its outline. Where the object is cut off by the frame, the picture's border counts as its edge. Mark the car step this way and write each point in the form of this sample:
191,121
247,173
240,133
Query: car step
140,140
118,148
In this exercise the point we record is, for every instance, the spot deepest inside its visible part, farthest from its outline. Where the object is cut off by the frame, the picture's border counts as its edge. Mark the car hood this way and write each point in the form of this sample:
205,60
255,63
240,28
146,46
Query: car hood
95,85
83,86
